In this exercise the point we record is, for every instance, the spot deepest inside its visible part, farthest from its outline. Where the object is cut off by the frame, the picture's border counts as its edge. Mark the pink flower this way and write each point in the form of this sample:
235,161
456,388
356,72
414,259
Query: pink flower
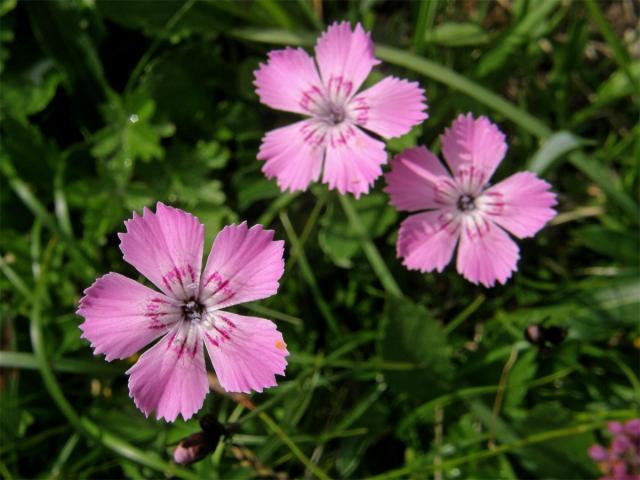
460,208
621,460
328,95
122,315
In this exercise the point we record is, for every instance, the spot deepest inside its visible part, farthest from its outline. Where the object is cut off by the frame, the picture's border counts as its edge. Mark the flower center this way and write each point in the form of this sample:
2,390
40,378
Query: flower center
466,203
192,310
336,114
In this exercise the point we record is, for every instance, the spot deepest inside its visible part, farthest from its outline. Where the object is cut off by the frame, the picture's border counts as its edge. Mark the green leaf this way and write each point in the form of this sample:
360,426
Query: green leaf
61,30
457,34
30,91
337,237
524,31
616,87
522,372
620,245
175,82
553,148
412,335
556,458
152,18
411,139
129,135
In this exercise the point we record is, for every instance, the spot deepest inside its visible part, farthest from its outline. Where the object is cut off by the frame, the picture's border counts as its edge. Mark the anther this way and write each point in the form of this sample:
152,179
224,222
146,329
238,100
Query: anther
192,310
466,203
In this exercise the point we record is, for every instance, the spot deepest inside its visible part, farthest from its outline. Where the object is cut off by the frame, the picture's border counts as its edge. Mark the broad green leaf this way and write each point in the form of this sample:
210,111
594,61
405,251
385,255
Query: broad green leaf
412,335
522,372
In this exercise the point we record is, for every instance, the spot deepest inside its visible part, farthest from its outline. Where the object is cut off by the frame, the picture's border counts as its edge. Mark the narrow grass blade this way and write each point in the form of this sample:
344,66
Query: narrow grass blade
370,250
309,276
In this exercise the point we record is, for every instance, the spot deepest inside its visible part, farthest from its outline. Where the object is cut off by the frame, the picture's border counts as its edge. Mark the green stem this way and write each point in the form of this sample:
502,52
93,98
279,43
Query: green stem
425,410
282,435
370,250
271,313
64,455
276,206
14,278
29,361
464,314
310,278
308,228
499,450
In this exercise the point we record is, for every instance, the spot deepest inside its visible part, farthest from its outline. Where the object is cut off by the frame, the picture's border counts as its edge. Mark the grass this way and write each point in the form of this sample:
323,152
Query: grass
107,107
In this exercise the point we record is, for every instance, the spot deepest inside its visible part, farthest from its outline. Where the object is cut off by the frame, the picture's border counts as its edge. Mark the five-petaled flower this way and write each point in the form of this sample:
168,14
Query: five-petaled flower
327,94
460,208
122,315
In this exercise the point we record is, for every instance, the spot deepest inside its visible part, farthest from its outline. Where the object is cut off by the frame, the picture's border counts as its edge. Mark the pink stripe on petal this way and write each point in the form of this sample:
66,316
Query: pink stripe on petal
418,181
427,240
287,79
293,155
122,315
486,253
245,264
521,204
390,108
341,52
166,247
476,143
353,160
251,357
170,378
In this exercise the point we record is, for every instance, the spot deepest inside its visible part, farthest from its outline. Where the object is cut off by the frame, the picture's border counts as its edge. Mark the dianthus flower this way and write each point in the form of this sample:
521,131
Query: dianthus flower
122,315
621,461
459,207
328,95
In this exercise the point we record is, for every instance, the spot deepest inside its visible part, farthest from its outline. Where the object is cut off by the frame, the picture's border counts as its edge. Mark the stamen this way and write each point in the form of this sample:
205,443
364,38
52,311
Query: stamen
466,203
192,310
336,114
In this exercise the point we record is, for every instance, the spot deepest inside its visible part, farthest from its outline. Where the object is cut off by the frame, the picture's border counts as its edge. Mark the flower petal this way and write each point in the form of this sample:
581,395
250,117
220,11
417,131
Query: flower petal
486,253
122,315
245,264
293,155
345,56
418,181
166,247
289,81
427,240
473,148
390,108
247,352
521,204
353,160
170,378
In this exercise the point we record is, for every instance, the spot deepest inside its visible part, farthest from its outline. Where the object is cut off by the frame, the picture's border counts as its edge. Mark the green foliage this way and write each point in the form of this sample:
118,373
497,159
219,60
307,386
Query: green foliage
413,337
107,107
